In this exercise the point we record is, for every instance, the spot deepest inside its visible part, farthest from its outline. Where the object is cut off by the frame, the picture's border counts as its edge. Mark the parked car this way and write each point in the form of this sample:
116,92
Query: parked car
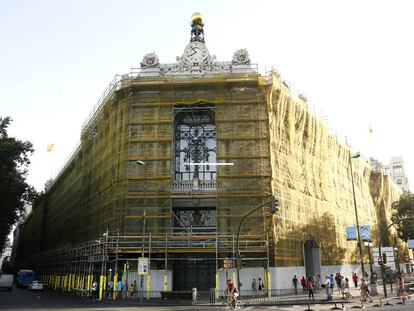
36,285
25,278
6,281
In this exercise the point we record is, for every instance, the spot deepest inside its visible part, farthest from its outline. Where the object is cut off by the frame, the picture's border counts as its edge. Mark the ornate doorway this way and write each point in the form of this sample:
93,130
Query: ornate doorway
312,257
195,272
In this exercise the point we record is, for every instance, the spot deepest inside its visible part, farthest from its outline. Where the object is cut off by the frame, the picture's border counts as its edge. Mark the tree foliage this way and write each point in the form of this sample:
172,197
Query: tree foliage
15,193
403,216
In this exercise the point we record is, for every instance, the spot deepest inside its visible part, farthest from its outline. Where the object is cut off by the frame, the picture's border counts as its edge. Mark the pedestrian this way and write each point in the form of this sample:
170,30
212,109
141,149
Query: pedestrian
318,281
309,286
133,288
338,280
126,289
332,283
365,291
327,286
303,283
295,282
110,289
119,287
347,289
355,279
342,286
95,290
401,289
254,287
260,286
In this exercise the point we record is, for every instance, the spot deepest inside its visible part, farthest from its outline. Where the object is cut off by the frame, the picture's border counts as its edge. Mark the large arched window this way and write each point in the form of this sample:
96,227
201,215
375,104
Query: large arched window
195,142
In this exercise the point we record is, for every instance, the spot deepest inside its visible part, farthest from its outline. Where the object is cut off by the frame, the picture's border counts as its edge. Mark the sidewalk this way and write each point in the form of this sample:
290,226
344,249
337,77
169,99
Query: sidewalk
320,298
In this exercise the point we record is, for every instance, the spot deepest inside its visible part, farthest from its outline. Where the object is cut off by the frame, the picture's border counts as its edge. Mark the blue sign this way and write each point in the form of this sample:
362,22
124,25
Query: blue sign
364,231
410,244
351,234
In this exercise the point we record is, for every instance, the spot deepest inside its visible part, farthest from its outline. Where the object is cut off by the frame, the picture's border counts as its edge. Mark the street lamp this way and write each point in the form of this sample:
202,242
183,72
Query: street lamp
274,203
143,163
357,155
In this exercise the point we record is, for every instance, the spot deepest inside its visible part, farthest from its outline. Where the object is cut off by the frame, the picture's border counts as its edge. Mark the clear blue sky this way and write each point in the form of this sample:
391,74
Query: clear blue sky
353,60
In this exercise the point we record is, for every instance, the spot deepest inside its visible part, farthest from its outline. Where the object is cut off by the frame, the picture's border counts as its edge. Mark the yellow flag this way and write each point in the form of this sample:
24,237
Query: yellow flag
50,147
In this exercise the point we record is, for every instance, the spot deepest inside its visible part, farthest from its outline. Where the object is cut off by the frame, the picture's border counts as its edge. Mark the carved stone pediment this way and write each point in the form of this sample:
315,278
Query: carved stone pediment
241,57
150,60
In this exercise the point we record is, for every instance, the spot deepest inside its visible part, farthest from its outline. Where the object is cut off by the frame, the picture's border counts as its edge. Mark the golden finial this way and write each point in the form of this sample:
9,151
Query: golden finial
197,18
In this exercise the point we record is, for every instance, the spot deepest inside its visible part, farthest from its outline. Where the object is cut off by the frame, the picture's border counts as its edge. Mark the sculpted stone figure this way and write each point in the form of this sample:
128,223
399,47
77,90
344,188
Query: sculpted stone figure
241,57
150,60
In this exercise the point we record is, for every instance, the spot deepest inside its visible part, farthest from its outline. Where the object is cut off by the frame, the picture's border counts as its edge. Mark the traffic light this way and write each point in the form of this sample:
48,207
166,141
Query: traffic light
274,203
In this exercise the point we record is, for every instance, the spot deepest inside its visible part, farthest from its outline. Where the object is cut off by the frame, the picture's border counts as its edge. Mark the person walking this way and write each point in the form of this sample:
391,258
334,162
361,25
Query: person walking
254,287
346,289
401,289
365,291
332,283
303,283
132,288
309,286
318,282
355,279
95,290
338,280
260,286
120,287
327,286
110,293
126,287
295,282
342,286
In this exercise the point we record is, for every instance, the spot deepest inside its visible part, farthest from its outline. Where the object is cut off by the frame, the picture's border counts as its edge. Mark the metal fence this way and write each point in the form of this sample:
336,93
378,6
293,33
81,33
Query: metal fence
212,296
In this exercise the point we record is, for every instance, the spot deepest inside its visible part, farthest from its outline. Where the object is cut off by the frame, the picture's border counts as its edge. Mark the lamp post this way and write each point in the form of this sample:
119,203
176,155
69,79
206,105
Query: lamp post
142,163
273,208
357,155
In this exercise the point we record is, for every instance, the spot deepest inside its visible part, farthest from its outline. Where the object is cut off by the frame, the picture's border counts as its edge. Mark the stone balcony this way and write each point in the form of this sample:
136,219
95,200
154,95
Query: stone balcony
195,185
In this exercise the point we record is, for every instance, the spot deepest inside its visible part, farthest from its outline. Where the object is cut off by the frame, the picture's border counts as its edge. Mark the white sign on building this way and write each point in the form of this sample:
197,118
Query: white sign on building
143,266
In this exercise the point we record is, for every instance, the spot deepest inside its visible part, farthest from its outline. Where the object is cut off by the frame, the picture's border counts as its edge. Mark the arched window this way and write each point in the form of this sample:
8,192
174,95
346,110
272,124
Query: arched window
195,142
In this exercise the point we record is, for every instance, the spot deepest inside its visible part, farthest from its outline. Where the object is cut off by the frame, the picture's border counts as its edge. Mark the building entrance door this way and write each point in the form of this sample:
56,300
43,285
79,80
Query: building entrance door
199,273
312,255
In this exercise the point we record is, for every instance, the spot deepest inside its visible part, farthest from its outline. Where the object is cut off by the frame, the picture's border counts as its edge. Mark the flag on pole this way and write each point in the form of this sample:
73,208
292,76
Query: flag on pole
50,147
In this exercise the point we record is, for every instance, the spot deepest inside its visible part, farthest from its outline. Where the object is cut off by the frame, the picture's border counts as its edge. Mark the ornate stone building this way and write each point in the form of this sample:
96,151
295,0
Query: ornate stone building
171,160
396,170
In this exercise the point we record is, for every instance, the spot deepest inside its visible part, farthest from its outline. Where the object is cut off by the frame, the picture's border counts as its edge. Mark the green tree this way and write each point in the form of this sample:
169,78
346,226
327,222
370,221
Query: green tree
15,193
403,216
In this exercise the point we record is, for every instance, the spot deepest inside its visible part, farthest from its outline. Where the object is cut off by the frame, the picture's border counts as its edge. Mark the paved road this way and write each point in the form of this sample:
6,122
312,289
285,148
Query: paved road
24,300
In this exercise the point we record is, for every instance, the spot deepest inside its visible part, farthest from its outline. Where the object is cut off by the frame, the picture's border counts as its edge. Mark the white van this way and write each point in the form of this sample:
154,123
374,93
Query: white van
6,281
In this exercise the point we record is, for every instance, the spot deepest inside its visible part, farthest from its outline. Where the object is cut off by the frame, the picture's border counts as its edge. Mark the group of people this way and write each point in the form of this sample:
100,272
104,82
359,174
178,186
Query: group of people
341,282
257,286
122,287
